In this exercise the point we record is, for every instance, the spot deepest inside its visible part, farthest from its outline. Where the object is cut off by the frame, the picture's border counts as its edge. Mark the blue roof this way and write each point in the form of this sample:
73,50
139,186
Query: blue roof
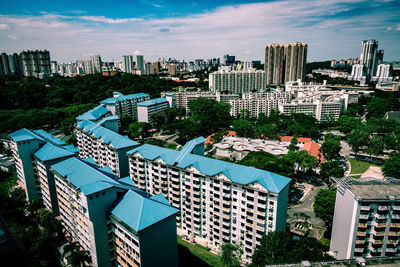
188,148
152,102
23,135
109,118
84,175
50,151
140,212
94,114
71,148
117,141
236,173
122,97
41,135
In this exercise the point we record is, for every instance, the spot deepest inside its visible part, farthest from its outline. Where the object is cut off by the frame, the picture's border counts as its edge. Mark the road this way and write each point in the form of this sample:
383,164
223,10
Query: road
306,207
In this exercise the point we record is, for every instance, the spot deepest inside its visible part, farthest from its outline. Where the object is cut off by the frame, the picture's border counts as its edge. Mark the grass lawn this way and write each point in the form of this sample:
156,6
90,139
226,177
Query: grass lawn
359,167
171,146
325,241
195,255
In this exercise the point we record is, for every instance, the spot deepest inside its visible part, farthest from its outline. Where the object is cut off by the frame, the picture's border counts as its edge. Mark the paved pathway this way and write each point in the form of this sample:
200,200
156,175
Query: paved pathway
306,207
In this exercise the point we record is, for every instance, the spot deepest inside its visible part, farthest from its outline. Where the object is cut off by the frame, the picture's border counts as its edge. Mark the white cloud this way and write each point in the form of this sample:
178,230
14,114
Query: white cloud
389,28
4,27
241,30
137,52
12,36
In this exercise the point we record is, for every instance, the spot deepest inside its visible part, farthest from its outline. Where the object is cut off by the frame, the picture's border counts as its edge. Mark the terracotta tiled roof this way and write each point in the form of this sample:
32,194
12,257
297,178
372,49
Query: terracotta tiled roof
314,149
299,139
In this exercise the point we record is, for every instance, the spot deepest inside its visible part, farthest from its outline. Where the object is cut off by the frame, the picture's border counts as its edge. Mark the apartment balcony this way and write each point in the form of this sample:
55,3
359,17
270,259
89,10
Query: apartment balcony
395,225
391,250
396,207
361,234
360,242
380,216
383,208
362,225
381,225
365,208
396,216
377,242
396,234
359,250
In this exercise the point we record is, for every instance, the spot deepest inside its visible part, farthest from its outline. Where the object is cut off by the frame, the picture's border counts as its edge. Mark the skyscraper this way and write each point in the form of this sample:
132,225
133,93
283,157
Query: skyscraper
295,61
274,63
370,57
284,63
96,63
127,63
36,63
140,63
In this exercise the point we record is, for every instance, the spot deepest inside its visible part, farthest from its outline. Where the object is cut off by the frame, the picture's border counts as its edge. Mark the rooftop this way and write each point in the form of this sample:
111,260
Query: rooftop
109,137
371,188
94,114
236,173
50,151
140,212
122,97
152,102
41,135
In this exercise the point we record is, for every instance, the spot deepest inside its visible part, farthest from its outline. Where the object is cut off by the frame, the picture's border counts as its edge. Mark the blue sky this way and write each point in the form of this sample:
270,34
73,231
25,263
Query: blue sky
197,29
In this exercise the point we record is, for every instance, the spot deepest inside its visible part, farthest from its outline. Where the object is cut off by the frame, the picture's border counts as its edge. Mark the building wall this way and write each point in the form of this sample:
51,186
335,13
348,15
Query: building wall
343,229
143,114
22,152
159,239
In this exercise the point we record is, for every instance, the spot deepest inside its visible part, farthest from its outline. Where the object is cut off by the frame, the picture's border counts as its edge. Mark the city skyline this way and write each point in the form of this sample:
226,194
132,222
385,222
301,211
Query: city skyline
198,30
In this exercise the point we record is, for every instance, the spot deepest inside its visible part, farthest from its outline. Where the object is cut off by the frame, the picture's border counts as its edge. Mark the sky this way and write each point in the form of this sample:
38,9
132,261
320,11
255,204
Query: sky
188,30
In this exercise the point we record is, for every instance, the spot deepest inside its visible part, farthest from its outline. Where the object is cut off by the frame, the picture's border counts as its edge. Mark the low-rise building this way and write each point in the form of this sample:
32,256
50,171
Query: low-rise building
366,221
146,108
219,201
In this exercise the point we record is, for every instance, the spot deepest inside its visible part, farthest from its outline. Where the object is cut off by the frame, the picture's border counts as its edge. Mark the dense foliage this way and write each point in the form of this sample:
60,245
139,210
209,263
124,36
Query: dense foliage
55,101
324,205
281,247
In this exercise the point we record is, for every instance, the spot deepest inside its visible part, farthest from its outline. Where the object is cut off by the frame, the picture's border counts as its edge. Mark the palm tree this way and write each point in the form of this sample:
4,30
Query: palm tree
75,255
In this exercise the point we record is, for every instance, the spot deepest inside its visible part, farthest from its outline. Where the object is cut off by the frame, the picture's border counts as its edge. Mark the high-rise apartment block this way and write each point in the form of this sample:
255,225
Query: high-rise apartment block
33,150
284,63
219,201
146,108
227,60
124,105
105,146
237,81
117,223
127,64
36,63
148,68
140,63
96,63
366,221
172,69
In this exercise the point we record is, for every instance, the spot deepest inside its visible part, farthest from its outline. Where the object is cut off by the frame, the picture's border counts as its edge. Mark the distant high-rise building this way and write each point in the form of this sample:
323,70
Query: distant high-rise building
274,63
54,67
127,64
148,68
96,63
369,57
156,67
172,69
228,59
295,61
284,63
36,63
140,63
5,65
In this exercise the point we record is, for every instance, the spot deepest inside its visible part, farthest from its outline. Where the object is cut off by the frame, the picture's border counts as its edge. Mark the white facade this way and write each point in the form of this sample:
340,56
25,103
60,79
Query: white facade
237,81
147,108
383,74
36,63
127,64
366,221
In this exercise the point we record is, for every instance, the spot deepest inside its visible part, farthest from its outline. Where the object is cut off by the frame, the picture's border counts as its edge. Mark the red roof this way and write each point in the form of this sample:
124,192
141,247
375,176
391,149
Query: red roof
231,133
314,149
299,139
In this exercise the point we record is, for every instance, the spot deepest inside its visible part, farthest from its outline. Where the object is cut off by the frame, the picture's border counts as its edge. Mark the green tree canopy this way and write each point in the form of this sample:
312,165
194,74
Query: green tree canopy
324,205
392,166
331,146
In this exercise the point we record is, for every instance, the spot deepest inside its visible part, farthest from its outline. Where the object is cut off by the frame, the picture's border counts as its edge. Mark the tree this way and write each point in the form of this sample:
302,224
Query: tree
138,129
267,131
324,205
280,247
357,139
392,166
75,254
375,147
231,255
346,124
157,120
243,128
293,144
331,146
331,169
125,121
